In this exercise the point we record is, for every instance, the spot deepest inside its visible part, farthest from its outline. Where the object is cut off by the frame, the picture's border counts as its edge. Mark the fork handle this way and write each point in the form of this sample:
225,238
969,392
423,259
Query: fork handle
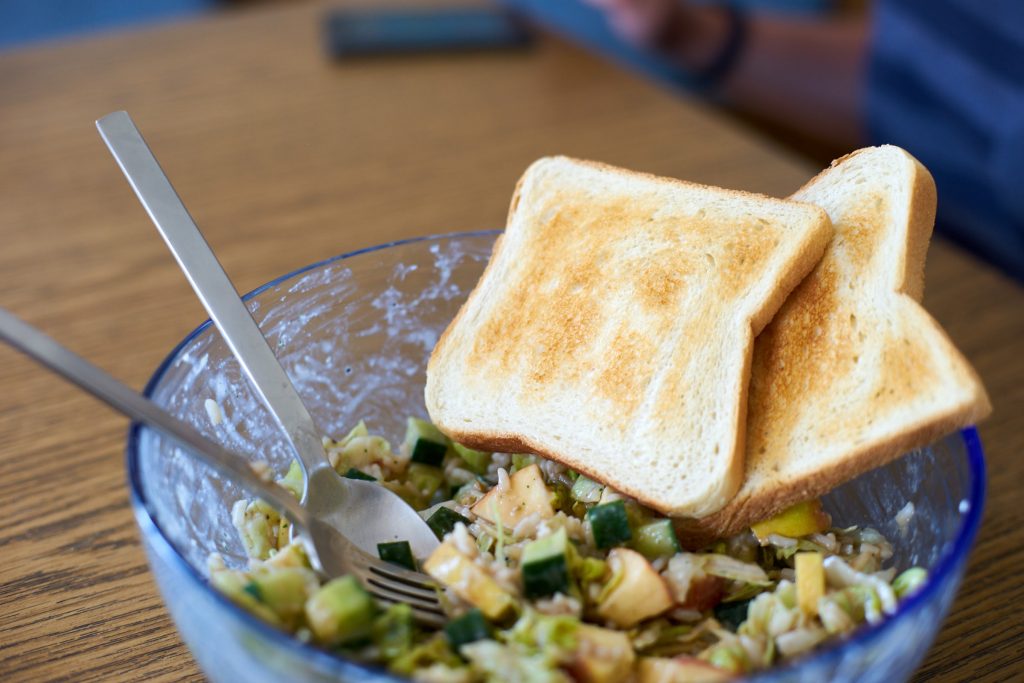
213,287
103,386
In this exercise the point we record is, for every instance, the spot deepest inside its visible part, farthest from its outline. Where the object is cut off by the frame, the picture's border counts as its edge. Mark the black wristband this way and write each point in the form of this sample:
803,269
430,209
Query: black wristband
708,78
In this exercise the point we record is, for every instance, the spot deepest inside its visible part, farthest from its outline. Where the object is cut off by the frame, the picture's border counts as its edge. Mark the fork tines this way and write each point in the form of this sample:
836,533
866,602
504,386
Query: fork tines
394,584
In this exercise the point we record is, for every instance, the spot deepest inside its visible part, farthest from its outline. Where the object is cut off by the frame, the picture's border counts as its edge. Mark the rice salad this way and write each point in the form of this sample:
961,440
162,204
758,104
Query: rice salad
550,577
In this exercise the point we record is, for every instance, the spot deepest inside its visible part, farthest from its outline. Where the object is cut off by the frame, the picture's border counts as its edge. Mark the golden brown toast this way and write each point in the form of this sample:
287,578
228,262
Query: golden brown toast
613,326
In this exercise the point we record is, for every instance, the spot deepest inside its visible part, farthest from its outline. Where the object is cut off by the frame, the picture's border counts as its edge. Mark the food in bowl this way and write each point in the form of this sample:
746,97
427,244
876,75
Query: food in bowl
551,576
183,509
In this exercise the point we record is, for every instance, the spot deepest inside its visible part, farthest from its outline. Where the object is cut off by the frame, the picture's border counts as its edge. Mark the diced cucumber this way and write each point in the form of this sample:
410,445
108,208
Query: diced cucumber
444,520
591,569
428,453
283,589
657,539
586,490
341,611
637,514
610,524
476,461
469,628
241,589
425,442
426,479
253,589
561,501
394,631
399,552
353,473
545,565
732,614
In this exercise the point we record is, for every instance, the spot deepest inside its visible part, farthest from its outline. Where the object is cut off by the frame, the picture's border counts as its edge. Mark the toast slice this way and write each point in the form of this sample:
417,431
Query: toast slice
613,326
852,372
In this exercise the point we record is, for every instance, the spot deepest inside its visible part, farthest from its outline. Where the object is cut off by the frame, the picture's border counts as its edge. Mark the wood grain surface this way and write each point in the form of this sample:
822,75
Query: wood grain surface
284,159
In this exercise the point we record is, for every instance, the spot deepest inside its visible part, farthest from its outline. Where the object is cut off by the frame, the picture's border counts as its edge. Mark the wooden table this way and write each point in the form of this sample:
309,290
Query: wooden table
285,158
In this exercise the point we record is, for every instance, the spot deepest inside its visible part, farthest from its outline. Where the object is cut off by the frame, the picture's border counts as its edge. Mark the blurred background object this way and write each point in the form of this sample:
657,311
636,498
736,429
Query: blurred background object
368,31
27,21
659,38
943,79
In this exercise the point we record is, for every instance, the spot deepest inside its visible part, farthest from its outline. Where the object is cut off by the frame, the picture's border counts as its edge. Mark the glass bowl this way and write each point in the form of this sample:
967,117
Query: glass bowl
354,333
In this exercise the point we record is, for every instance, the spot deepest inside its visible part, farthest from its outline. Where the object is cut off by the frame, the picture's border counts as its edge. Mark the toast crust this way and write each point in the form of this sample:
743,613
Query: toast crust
615,303
852,372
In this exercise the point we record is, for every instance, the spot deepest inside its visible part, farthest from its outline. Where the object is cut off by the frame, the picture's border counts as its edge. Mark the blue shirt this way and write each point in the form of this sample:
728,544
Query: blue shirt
946,82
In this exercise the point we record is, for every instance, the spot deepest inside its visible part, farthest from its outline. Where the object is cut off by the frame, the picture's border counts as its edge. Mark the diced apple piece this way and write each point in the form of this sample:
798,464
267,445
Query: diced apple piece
801,519
704,592
679,670
810,582
602,655
692,587
469,581
636,592
526,494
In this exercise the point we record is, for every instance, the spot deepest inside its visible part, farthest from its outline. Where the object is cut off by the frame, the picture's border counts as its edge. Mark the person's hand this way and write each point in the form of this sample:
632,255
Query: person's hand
643,22
691,35
806,75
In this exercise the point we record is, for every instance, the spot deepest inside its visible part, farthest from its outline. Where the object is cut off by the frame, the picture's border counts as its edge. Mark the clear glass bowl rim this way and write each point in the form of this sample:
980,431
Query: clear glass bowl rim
150,528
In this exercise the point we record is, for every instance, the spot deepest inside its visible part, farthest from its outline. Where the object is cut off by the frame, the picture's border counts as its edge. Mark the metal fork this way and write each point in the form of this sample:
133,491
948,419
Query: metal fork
365,512
329,551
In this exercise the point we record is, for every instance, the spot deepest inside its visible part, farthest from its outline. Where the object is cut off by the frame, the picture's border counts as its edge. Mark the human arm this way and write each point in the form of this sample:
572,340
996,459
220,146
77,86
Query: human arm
807,75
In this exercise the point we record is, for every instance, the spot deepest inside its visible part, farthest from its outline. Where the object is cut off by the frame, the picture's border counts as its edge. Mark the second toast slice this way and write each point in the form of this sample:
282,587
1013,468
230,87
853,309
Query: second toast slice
852,372
612,329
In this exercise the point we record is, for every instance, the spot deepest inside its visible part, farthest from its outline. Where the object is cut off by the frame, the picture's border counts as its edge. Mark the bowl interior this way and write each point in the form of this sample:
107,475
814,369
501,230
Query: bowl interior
355,333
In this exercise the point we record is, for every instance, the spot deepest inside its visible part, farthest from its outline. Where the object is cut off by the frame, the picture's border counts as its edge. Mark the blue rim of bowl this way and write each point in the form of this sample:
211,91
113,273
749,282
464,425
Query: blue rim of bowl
937,576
